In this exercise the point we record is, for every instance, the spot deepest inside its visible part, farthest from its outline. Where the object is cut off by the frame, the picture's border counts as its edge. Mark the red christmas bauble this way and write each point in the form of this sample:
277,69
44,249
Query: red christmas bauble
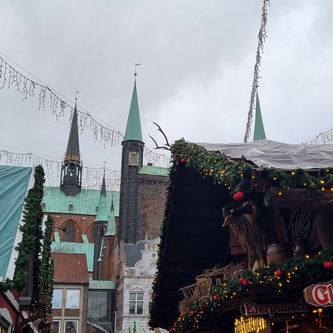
328,265
279,273
238,196
244,282
215,298
183,160
241,280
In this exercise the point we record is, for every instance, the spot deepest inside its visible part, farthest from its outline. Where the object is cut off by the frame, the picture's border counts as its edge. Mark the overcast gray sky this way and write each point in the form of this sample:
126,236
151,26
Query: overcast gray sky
195,80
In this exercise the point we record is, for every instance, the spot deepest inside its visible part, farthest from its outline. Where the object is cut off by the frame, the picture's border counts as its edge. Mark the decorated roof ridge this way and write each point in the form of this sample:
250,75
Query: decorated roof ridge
133,127
237,174
259,130
73,149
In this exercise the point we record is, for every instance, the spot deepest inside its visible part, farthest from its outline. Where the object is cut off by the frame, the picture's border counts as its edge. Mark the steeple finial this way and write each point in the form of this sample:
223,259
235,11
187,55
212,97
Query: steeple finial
73,149
135,73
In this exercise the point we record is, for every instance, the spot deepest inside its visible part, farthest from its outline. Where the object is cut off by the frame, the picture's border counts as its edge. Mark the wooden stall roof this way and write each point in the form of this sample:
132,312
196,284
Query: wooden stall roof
193,239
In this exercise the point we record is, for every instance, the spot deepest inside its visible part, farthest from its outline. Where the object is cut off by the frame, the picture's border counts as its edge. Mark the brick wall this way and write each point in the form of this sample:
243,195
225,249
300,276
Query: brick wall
152,204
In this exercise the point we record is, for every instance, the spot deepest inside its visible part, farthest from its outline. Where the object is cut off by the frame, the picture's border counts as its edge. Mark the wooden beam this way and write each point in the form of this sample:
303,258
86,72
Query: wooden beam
299,198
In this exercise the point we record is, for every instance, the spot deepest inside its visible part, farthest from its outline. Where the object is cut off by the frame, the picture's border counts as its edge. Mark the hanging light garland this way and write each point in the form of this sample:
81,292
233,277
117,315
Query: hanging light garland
322,138
91,177
10,77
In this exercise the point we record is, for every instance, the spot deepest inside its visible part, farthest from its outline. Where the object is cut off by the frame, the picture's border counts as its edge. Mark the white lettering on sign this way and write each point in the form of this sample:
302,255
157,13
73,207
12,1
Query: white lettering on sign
254,309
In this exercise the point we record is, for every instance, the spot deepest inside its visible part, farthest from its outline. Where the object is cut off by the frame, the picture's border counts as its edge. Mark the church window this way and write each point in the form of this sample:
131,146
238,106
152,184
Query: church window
136,303
70,232
133,158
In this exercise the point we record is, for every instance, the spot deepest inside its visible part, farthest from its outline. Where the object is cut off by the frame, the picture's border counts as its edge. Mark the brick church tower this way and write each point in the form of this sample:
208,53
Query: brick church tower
131,163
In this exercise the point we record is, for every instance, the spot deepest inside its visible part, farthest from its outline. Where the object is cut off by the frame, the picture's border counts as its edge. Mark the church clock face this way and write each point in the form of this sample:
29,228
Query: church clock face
133,158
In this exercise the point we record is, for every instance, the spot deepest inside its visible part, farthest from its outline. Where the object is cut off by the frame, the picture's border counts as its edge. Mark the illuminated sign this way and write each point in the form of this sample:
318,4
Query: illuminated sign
249,325
319,294
271,309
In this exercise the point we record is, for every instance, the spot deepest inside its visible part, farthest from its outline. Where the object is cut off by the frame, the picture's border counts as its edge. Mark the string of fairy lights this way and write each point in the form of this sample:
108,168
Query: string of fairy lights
322,138
10,77
260,49
91,176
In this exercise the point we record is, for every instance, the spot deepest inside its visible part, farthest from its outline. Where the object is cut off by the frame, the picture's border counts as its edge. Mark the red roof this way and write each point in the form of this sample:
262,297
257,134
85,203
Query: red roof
70,267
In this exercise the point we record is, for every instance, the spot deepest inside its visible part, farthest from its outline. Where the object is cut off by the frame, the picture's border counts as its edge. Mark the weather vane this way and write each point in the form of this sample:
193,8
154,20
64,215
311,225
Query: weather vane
76,93
135,73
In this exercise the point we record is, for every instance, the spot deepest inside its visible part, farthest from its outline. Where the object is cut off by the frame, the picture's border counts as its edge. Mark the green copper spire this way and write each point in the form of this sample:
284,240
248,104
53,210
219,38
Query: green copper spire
259,130
133,128
111,227
103,209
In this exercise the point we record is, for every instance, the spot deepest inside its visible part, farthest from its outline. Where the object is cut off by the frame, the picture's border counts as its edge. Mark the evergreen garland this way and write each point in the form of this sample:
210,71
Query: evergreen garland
47,271
238,175
277,276
30,247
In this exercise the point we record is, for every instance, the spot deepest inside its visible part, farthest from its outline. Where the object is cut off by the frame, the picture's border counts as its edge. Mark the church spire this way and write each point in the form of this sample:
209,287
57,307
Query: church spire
71,172
73,150
133,128
103,188
259,130
100,225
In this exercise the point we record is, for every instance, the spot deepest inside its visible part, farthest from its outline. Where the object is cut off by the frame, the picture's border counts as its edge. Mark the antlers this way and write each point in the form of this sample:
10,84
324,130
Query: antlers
166,146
